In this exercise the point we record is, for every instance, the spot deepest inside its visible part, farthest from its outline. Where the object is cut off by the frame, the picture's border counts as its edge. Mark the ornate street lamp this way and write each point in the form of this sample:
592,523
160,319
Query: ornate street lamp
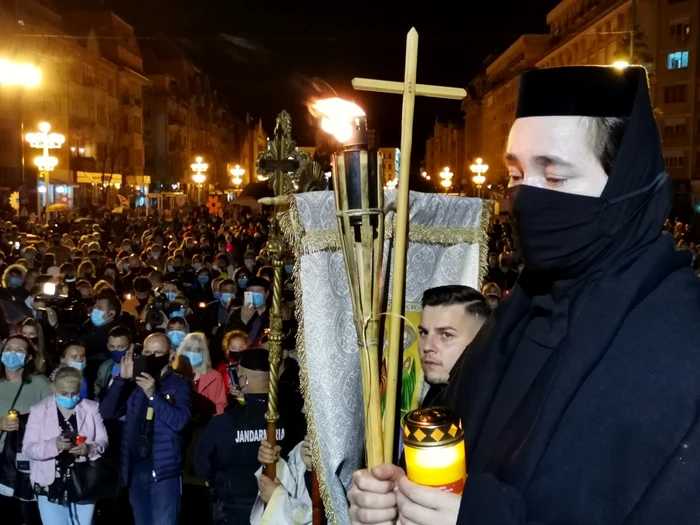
199,168
45,141
237,180
479,169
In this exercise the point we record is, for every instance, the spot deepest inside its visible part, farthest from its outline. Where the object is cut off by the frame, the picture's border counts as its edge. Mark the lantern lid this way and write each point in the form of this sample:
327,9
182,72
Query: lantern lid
432,427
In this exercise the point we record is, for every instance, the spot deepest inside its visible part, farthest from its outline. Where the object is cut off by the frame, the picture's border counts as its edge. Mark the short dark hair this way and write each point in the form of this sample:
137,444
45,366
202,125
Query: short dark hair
122,331
142,284
609,132
475,304
109,295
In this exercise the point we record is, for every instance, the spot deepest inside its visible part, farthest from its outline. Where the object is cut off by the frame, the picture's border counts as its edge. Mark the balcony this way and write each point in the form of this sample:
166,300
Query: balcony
127,100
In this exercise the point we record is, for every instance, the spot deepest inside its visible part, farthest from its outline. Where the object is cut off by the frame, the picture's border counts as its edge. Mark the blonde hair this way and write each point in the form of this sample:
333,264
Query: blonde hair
69,374
197,342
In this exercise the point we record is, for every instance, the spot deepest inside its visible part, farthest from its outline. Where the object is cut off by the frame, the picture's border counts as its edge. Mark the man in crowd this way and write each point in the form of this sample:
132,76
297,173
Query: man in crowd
452,316
226,454
157,409
253,317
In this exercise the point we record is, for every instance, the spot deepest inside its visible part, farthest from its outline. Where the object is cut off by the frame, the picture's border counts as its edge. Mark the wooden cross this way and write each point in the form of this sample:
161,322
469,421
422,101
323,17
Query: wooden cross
410,90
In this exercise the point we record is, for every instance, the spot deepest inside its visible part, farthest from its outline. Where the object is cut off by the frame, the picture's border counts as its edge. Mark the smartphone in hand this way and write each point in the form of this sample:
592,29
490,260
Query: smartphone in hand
140,365
233,375
248,298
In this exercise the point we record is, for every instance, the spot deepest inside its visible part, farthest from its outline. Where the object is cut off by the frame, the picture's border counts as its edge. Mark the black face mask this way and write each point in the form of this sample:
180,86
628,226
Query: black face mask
156,363
556,232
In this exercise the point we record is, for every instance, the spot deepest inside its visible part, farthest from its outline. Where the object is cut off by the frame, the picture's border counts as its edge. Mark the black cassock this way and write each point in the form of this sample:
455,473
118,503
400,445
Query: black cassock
580,396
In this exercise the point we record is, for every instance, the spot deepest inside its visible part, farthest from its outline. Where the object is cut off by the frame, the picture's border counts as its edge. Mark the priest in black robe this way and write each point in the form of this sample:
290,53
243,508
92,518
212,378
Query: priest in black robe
580,396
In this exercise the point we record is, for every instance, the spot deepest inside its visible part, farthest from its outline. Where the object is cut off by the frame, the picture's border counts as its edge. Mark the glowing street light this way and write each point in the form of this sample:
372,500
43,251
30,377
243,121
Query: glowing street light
446,176
19,74
391,184
479,169
237,180
45,141
199,168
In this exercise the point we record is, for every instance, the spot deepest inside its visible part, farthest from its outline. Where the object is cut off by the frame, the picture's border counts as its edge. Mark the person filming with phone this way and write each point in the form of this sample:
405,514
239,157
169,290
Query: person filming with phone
157,404
253,317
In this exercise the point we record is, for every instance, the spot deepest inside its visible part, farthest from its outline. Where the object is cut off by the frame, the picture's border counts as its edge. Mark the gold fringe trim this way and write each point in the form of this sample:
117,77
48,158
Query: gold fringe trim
290,224
487,208
329,240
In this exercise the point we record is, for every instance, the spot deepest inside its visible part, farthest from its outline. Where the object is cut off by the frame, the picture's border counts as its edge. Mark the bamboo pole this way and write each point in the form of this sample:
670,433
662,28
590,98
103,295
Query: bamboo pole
421,90
399,273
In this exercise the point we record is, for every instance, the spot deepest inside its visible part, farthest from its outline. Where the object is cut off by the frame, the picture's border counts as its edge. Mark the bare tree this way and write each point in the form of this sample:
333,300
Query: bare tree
111,155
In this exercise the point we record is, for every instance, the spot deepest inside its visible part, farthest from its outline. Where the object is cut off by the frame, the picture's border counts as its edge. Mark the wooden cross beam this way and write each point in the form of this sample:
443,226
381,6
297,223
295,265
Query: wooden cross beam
409,89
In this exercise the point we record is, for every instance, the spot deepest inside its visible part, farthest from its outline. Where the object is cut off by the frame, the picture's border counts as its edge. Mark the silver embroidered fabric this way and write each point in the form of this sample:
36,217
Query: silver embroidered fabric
332,356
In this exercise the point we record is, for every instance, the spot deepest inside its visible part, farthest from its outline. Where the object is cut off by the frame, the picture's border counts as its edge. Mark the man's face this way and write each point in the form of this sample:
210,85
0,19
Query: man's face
74,353
555,153
445,331
157,346
103,304
117,344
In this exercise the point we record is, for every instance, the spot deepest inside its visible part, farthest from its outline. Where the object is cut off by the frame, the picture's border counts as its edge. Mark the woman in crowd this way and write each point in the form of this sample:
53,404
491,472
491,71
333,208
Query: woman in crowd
209,387
13,295
20,388
86,271
63,430
233,343
32,330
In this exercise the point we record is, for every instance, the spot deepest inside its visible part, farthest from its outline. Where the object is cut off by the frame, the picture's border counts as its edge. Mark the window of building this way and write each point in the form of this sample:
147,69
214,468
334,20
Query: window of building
676,161
138,158
674,128
125,124
678,60
679,28
87,74
675,93
621,22
110,86
137,125
101,115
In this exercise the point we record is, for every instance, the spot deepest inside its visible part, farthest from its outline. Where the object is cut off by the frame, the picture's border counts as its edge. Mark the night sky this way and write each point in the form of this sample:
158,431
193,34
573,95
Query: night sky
263,57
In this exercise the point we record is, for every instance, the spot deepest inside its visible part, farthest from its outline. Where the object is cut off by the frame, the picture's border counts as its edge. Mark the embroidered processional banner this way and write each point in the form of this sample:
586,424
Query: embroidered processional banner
447,245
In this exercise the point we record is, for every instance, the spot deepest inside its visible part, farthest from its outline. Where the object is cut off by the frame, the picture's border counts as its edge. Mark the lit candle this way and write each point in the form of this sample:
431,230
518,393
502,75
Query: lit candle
12,414
434,449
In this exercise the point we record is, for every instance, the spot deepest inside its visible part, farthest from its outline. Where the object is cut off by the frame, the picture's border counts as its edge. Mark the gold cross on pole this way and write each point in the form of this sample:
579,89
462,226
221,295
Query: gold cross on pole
410,90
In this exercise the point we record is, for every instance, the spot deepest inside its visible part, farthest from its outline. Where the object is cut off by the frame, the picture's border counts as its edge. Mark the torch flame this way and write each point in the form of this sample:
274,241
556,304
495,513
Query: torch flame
337,116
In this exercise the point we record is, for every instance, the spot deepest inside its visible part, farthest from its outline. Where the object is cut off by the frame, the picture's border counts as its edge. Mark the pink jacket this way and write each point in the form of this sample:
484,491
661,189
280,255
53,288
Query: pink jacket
39,443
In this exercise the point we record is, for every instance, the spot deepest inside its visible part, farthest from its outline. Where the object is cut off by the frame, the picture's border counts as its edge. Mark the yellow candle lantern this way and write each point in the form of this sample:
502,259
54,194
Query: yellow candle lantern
12,414
434,449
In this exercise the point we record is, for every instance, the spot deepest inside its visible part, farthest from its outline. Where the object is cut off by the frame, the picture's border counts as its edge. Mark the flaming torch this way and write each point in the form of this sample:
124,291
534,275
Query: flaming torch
359,200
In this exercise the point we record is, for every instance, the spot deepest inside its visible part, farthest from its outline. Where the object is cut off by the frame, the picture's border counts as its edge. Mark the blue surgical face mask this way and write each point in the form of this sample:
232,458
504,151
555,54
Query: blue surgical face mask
203,279
76,364
155,255
170,268
15,281
171,295
195,358
289,268
67,402
197,266
117,355
258,299
249,263
217,295
13,360
176,337
242,283
177,313
226,297
97,317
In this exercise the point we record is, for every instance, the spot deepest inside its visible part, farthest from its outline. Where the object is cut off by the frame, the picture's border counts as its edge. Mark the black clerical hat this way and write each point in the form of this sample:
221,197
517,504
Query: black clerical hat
255,359
585,91
258,281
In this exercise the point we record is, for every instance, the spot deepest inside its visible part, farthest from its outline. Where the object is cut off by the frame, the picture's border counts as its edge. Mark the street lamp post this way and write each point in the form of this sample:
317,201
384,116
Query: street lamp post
45,163
446,176
479,169
199,169
237,180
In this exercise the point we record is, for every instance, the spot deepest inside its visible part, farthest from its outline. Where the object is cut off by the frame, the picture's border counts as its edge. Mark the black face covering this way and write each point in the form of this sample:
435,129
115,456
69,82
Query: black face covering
156,363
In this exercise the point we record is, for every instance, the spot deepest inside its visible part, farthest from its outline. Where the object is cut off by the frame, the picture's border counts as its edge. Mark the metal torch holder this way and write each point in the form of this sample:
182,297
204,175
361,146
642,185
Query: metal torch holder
359,198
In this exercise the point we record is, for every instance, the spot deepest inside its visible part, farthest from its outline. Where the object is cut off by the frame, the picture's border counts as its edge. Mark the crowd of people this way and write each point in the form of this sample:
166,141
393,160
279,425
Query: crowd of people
134,371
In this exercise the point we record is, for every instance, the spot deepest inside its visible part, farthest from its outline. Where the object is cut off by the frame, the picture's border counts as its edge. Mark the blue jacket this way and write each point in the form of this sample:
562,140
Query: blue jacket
171,418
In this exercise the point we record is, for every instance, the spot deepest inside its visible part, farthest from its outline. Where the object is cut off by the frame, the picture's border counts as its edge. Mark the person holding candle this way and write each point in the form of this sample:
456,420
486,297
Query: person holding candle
579,397
62,430
20,388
